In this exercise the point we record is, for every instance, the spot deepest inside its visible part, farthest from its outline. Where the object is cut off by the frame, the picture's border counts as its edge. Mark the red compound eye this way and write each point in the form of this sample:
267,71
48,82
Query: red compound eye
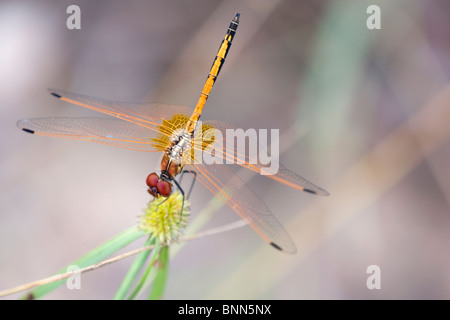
152,180
164,188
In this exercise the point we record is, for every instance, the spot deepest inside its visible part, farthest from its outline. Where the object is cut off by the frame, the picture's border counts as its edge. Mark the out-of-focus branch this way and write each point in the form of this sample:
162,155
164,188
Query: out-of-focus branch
62,276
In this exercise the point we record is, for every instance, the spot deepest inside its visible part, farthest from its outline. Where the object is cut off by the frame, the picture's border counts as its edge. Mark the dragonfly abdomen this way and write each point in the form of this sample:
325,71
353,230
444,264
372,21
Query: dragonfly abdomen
213,73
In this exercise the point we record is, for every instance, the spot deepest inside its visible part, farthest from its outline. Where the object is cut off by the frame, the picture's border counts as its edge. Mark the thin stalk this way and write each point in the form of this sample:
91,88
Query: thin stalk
133,272
138,287
162,268
94,256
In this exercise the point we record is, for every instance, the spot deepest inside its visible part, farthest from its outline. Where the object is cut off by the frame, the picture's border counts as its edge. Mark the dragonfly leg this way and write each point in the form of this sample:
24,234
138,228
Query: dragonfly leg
182,193
162,201
194,174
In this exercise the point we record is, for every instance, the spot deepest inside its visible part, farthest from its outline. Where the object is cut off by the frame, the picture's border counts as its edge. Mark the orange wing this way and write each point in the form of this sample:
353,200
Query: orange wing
284,175
113,132
144,114
145,128
228,187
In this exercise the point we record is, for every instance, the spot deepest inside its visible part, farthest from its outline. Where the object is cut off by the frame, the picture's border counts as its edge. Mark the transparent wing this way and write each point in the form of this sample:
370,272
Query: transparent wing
283,175
113,132
143,114
147,126
228,187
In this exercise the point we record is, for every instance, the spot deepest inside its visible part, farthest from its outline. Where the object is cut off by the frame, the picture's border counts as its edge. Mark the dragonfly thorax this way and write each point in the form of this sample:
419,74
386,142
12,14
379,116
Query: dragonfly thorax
180,142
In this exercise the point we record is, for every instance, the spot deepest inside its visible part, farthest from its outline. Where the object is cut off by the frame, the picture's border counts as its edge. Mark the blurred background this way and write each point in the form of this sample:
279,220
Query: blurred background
365,114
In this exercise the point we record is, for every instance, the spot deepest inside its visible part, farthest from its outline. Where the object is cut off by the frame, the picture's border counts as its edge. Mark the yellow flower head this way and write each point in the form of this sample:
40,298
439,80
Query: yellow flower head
163,219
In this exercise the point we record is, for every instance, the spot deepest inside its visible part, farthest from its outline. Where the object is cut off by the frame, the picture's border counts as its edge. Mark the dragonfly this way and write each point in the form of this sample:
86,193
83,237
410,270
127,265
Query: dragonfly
173,131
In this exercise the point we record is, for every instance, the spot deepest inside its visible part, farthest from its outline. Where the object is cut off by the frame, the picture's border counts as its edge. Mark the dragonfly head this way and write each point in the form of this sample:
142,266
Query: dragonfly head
158,186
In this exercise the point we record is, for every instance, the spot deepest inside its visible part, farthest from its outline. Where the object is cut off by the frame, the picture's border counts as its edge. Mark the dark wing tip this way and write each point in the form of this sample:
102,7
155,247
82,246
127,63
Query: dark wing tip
23,124
290,250
236,17
28,130
54,93
276,246
310,191
321,192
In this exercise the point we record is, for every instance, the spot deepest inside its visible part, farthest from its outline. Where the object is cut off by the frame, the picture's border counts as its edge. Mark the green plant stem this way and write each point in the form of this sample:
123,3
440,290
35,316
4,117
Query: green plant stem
162,267
98,254
155,254
133,272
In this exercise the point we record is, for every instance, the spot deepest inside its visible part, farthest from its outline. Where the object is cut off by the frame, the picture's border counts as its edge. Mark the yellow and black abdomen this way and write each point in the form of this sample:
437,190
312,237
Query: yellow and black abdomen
213,73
